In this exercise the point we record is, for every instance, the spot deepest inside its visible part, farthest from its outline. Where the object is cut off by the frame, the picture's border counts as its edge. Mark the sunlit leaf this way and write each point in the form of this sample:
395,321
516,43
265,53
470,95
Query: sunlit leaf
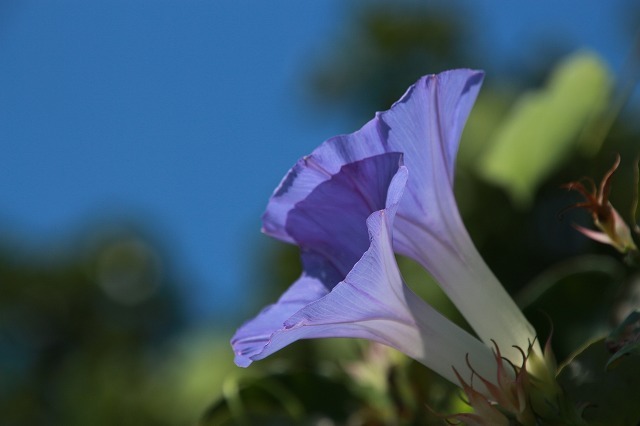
544,126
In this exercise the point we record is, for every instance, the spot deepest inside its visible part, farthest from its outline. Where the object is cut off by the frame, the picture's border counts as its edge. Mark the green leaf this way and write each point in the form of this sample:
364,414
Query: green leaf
577,294
544,126
625,339
610,396
288,398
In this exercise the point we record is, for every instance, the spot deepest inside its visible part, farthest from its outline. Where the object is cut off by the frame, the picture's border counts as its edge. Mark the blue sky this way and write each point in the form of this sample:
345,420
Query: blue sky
183,115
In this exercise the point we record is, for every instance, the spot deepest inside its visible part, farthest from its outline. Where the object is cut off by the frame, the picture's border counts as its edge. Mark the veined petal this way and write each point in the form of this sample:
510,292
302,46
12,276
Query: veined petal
372,302
250,341
330,227
437,107
425,126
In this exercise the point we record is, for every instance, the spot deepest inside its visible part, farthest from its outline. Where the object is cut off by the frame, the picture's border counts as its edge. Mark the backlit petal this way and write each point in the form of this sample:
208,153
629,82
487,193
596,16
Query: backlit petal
330,227
372,302
425,126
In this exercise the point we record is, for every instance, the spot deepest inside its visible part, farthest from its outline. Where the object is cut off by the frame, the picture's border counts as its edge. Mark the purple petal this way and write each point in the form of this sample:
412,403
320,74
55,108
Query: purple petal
372,302
250,340
330,227
425,126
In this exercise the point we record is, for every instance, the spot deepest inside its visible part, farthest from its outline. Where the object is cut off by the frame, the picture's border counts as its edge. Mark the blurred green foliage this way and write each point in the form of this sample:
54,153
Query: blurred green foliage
383,51
95,333
544,127
611,395
79,332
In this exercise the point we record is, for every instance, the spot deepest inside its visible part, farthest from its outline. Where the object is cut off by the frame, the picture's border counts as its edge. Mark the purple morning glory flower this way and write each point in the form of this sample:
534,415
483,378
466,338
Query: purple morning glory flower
353,202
